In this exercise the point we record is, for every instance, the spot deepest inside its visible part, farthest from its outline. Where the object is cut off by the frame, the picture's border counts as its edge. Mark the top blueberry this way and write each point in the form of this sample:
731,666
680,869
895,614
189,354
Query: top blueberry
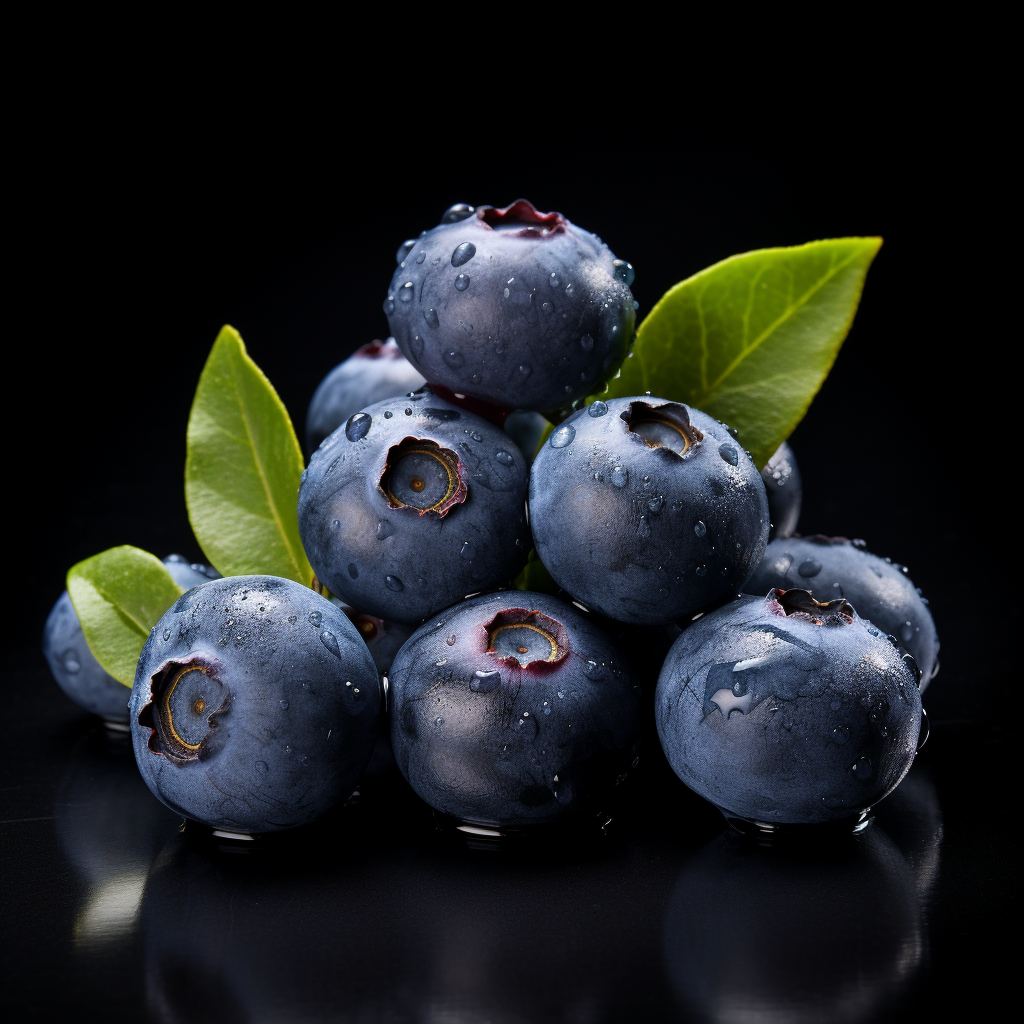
515,307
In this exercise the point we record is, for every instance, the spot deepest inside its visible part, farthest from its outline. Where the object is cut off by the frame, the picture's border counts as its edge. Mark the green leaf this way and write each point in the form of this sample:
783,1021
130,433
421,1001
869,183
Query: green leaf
242,469
750,340
535,577
119,596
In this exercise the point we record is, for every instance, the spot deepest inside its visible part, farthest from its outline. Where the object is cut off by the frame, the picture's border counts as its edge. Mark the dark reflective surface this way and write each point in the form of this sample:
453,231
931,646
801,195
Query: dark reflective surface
380,913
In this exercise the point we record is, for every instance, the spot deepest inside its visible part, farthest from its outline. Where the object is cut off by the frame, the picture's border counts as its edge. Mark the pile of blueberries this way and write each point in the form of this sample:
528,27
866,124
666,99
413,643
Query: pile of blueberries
788,673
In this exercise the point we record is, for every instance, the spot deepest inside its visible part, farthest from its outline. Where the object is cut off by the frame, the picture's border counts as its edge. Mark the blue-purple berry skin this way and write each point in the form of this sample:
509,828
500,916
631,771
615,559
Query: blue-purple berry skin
878,588
255,705
646,511
372,373
784,487
514,307
498,737
788,713
392,551
75,667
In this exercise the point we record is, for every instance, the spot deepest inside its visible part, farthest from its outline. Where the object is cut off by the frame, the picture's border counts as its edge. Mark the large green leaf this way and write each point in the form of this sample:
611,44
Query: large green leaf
119,596
750,340
242,469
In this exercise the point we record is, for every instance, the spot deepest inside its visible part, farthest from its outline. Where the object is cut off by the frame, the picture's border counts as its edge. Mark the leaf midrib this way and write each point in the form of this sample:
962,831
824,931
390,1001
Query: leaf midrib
774,326
259,466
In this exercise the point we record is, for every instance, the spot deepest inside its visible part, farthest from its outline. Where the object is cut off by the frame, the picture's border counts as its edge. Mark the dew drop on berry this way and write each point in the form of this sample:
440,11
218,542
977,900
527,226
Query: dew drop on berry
462,282
562,436
463,254
597,408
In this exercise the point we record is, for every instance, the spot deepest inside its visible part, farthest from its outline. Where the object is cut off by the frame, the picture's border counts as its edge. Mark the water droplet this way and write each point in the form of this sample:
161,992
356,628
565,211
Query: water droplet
454,358
593,670
330,641
476,436
729,453
907,632
506,293
463,254
72,664
525,369
430,315
699,528
460,211
554,280
467,551
358,426
619,476
562,436
405,293
439,720
417,346
862,768
421,256
393,583
261,767
809,568
624,272
404,249
389,305
701,570
315,618
504,458
597,408
388,414
384,530
840,734
284,705
167,636
654,504
462,282
560,694
586,342
484,682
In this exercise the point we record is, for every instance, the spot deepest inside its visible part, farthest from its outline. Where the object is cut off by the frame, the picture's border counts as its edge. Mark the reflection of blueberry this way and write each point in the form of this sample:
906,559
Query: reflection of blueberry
881,591
785,492
787,711
511,709
412,505
515,307
645,510
255,705
73,665
372,373
797,932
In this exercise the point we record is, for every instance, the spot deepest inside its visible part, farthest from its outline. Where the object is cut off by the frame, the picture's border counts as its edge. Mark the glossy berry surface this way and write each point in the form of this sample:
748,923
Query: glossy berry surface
784,488
255,705
512,306
645,510
372,373
879,590
783,710
73,665
512,709
412,505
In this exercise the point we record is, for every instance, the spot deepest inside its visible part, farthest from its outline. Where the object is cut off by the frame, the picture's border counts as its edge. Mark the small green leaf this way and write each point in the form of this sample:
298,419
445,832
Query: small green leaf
535,577
242,469
119,596
750,340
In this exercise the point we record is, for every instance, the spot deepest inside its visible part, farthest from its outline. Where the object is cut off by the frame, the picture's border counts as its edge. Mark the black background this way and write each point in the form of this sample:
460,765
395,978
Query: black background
136,238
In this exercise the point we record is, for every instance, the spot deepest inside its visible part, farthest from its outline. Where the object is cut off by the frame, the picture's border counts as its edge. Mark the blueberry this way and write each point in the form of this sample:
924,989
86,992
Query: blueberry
519,308
73,665
414,504
881,591
784,489
526,429
259,710
645,510
372,373
512,709
784,710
